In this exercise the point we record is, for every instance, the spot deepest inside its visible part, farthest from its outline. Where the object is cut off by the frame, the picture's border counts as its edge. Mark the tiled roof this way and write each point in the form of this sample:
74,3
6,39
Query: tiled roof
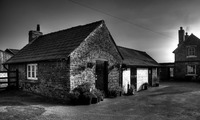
192,38
12,51
136,58
56,45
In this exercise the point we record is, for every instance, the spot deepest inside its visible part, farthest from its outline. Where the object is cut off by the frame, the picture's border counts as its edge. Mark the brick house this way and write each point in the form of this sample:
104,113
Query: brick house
54,64
187,57
5,55
139,68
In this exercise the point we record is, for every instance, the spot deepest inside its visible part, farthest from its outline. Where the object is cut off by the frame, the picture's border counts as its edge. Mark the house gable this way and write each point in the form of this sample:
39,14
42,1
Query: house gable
12,51
99,45
181,52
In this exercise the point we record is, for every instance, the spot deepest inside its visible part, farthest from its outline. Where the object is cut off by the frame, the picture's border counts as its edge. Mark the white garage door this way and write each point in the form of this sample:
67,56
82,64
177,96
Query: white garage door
142,77
126,79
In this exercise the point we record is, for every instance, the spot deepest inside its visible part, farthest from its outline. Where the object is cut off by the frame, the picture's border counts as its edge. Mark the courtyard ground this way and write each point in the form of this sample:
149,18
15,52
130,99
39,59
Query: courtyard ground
169,101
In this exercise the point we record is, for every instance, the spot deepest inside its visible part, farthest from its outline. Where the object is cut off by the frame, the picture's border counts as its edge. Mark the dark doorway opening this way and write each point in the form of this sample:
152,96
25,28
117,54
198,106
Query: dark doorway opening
102,76
134,77
150,77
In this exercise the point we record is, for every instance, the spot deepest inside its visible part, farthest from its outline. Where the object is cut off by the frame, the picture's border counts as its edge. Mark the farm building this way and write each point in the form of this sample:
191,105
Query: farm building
140,68
54,64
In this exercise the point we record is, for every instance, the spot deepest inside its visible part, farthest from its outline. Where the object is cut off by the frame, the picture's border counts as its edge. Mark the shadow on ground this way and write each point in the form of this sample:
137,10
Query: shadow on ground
169,101
17,97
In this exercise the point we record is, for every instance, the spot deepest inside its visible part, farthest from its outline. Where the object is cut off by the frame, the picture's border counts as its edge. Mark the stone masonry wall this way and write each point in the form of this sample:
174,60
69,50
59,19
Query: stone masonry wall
98,46
53,79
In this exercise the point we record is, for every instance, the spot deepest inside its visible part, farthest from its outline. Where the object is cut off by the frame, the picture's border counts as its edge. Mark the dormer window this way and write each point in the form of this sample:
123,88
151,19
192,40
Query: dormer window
191,52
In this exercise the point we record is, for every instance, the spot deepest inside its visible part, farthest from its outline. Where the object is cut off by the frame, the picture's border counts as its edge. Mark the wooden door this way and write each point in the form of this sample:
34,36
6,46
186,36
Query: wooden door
126,79
102,75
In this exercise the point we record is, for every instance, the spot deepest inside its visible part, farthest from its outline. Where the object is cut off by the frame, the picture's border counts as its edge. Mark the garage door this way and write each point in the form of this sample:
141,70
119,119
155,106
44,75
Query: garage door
142,77
126,79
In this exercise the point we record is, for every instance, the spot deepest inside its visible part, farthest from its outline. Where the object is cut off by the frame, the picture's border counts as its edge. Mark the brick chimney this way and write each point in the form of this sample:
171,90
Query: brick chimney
33,34
181,35
186,36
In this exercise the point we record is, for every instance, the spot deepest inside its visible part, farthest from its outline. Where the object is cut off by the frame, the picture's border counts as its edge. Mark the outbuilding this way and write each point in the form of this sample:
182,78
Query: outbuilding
138,69
54,64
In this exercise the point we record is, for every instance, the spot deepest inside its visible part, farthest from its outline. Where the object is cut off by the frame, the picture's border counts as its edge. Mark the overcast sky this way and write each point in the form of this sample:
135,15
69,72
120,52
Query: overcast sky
148,25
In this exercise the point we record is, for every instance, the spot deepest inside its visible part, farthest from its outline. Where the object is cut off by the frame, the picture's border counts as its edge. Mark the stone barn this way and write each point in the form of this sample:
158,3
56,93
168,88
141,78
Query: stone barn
54,64
139,68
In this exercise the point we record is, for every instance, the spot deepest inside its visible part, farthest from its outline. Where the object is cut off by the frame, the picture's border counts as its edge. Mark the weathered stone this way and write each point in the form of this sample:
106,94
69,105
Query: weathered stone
98,46
53,79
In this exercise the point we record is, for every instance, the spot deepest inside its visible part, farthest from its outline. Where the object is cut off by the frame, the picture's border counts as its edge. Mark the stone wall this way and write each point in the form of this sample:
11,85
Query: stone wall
98,46
53,79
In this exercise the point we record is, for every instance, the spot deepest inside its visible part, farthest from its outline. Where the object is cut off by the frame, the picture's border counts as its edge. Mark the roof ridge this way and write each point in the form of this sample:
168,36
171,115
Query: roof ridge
193,36
102,21
132,49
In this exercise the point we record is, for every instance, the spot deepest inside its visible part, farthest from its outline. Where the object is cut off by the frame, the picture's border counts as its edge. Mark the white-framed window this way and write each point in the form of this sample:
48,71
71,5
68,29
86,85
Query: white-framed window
191,52
191,69
32,71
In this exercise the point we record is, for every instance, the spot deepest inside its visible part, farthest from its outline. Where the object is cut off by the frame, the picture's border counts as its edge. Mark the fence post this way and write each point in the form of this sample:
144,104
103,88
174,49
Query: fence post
17,79
8,75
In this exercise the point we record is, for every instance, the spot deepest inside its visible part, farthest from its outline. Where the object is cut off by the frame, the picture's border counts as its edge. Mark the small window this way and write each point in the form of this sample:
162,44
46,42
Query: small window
191,69
32,71
191,51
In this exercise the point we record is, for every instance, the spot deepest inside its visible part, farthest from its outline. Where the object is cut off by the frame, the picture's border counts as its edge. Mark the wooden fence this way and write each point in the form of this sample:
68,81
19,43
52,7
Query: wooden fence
9,79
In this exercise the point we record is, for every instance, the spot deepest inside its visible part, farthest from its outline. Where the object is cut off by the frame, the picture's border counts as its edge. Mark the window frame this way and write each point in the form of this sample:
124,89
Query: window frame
195,68
32,71
191,51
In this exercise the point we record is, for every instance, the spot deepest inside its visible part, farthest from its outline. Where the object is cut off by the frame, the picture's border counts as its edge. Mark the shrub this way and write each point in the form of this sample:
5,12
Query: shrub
81,94
114,91
85,87
94,98
74,97
86,98
99,94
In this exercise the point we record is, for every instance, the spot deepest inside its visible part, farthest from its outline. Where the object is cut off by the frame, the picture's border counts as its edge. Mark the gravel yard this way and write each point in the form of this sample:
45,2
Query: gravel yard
170,101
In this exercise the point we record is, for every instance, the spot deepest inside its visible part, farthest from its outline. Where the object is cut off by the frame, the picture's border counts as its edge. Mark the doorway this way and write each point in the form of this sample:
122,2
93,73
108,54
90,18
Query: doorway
101,82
